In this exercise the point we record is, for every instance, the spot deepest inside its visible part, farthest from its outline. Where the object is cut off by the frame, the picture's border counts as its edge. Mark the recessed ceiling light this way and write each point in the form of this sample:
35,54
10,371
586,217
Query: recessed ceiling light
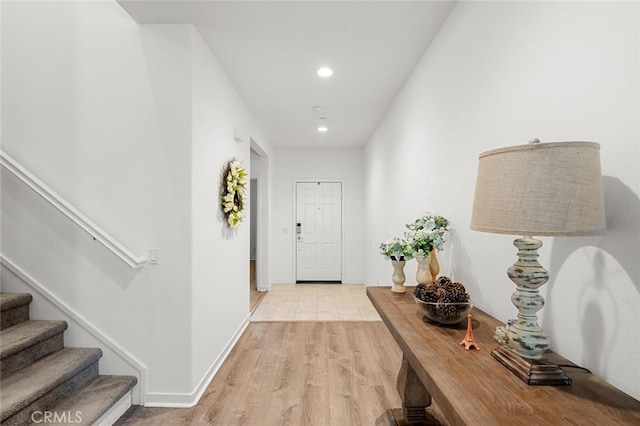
325,72
322,126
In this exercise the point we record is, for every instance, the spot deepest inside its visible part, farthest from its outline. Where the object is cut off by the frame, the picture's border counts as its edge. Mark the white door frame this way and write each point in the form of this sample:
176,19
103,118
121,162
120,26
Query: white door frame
254,185
294,207
262,236
259,267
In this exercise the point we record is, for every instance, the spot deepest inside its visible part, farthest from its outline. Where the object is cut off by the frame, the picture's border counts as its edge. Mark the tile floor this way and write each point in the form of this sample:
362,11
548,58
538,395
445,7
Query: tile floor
316,302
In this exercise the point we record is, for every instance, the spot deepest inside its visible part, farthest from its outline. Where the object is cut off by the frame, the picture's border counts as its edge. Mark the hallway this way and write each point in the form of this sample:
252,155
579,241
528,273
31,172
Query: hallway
123,116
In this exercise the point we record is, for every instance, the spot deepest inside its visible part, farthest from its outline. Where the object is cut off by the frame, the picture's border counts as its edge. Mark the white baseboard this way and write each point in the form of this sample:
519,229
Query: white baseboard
78,319
188,400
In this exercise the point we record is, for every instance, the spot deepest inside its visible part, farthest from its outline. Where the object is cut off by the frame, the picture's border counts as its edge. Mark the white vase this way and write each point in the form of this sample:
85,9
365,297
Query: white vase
423,275
398,276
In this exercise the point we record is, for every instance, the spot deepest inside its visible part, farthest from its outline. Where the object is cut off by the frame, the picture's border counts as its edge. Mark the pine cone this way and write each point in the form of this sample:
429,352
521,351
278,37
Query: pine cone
443,280
424,293
448,312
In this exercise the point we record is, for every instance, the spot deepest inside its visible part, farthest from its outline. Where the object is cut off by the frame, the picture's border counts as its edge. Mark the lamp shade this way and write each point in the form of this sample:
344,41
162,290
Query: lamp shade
540,189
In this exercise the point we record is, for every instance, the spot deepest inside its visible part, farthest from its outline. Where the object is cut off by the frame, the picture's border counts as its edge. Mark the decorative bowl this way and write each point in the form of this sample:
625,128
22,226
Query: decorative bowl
445,313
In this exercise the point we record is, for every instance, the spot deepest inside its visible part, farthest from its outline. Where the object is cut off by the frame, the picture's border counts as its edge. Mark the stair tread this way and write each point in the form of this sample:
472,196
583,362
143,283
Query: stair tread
13,300
96,398
26,334
27,385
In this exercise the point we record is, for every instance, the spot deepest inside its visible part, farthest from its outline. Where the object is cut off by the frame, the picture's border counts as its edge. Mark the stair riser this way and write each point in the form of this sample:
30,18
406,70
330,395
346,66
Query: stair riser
11,317
31,354
62,391
102,402
116,411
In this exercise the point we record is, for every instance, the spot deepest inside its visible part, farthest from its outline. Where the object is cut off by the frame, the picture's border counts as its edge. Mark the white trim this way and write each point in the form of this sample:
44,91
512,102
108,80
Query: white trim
71,212
82,322
188,400
253,144
115,412
262,261
261,267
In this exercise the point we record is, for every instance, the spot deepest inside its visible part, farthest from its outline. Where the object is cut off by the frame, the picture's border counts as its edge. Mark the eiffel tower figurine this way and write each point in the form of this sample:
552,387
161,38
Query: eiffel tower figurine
469,341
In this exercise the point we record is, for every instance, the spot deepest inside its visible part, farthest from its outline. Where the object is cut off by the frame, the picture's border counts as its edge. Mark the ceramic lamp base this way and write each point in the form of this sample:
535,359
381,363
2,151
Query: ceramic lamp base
535,372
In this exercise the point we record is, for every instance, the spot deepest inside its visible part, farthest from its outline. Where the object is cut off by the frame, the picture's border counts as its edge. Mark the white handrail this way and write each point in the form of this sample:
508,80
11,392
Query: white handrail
71,212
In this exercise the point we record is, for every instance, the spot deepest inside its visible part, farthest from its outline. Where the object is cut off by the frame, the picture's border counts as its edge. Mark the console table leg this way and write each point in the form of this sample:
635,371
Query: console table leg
415,398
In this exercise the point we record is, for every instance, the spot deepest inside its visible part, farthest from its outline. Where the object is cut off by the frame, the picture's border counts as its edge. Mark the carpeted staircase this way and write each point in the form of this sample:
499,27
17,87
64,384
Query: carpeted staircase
43,382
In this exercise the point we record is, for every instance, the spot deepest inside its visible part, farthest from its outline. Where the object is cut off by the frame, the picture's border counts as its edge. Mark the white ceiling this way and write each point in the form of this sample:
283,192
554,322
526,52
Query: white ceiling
271,51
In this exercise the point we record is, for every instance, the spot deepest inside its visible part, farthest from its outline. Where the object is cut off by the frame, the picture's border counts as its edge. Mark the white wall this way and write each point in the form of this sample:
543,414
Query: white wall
498,74
131,124
87,110
343,165
220,256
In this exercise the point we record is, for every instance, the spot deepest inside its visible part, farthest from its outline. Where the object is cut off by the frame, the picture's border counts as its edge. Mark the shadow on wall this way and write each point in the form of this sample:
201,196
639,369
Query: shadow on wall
458,255
34,227
462,267
622,242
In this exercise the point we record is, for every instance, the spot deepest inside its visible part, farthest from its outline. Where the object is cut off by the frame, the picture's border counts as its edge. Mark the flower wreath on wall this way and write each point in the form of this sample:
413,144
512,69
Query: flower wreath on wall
233,192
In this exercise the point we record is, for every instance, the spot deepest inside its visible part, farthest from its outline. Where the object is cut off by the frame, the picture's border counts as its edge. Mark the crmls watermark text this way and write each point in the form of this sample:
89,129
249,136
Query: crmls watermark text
56,417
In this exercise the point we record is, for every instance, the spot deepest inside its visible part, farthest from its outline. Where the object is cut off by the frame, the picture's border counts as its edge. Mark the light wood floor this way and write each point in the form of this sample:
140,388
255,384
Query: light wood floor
296,373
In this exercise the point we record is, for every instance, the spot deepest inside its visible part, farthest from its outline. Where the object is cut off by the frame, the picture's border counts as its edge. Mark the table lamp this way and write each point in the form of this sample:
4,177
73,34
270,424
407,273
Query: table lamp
536,189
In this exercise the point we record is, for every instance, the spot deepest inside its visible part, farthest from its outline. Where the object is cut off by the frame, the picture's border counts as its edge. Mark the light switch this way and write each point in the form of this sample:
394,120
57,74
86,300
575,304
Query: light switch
154,256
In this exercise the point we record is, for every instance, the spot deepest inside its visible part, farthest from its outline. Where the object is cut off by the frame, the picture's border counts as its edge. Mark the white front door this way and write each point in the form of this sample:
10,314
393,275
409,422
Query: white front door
318,231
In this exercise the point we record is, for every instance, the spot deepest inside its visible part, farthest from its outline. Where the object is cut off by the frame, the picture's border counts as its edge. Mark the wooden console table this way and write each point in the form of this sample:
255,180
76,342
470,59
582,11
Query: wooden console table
472,388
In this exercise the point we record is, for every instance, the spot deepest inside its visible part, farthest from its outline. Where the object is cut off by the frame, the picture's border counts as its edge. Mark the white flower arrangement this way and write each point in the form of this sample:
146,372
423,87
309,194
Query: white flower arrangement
234,184
426,233
396,249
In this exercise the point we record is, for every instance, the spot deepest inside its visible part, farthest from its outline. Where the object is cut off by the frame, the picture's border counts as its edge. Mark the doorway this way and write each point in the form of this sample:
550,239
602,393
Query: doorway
318,232
255,295
258,224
